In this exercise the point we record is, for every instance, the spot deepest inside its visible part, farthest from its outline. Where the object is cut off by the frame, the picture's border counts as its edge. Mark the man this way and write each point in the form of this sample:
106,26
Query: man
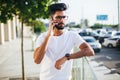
53,51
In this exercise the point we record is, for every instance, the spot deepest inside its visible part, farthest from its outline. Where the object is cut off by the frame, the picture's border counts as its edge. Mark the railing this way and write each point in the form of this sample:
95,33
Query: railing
82,70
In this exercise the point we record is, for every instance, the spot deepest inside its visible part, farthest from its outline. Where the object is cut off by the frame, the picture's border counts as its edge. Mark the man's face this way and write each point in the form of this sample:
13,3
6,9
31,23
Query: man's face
59,17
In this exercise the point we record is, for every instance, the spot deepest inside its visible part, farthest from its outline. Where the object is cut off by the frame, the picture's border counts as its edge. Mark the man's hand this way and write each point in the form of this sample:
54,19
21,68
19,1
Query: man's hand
59,62
52,23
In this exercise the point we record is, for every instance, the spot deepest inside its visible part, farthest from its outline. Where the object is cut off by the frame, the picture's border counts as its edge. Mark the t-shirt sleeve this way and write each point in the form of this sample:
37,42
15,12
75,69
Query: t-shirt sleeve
78,40
39,40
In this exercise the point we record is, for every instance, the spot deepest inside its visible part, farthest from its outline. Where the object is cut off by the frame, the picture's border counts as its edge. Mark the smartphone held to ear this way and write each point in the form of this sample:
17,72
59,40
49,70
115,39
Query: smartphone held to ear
54,23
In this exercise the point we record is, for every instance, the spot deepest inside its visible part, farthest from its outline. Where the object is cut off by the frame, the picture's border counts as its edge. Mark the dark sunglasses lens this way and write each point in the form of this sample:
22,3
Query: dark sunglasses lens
60,17
63,16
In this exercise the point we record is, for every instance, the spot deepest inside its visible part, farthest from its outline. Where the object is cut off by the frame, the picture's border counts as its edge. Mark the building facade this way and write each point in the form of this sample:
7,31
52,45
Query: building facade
10,30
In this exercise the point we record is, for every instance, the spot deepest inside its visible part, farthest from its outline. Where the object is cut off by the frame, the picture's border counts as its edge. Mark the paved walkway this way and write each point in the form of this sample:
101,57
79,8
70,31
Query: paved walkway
103,73
10,60
10,63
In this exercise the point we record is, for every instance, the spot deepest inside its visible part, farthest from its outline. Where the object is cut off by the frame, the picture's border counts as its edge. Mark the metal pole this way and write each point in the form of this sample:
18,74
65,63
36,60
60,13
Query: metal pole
83,68
118,17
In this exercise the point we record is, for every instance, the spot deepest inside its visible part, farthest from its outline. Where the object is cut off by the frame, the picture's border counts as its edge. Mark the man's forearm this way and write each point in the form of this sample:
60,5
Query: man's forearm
81,53
40,51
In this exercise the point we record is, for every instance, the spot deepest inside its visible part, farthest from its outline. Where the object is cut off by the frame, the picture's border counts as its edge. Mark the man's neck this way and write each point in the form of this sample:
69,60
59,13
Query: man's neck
57,32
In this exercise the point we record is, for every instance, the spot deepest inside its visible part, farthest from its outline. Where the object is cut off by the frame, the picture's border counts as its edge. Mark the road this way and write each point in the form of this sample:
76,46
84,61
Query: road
109,57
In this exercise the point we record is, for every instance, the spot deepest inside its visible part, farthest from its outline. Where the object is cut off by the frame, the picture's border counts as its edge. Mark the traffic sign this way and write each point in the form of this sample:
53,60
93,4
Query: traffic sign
102,17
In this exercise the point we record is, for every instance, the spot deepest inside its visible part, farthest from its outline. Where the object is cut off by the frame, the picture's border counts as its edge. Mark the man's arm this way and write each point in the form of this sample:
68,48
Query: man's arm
40,51
85,50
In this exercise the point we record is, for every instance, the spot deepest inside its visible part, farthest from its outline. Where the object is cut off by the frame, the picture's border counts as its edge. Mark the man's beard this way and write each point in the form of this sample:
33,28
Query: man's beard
59,26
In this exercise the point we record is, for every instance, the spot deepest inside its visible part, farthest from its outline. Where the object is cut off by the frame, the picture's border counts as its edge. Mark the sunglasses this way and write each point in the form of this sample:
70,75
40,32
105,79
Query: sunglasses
60,17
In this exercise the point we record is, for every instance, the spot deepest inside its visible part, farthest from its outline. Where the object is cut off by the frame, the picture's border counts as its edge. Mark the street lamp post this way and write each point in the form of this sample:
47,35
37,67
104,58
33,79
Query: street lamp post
118,17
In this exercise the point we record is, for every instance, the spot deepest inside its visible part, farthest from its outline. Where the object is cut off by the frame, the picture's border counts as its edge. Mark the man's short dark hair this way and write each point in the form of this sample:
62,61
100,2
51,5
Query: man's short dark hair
57,7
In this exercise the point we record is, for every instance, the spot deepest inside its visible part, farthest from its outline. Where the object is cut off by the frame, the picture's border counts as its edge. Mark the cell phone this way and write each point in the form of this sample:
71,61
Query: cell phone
53,21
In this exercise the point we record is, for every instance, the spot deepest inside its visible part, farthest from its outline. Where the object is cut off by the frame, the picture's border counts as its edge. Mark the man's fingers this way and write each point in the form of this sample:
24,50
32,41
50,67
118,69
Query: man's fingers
57,66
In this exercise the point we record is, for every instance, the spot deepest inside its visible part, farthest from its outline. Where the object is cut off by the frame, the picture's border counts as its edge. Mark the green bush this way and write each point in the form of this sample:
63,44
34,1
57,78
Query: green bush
39,27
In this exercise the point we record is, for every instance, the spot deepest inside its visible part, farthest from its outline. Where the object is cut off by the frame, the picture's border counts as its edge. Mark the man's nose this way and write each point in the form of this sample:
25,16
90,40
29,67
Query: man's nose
62,19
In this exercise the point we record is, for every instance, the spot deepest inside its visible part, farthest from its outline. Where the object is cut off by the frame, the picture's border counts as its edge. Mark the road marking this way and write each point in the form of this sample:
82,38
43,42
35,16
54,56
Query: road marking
108,57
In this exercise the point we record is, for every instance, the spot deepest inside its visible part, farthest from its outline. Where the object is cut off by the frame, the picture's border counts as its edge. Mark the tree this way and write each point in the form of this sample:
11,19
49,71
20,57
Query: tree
96,26
39,26
27,10
7,9
86,22
77,26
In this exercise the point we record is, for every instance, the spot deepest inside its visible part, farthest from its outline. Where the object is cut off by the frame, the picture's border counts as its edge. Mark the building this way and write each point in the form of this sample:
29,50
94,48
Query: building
8,31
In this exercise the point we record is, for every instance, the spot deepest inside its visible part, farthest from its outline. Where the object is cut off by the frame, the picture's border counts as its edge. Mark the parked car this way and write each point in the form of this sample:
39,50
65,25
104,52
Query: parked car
93,34
101,32
89,33
110,33
117,34
110,42
93,43
101,39
118,43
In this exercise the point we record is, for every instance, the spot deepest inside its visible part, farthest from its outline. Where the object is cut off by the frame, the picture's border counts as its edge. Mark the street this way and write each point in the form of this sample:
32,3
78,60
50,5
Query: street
110,58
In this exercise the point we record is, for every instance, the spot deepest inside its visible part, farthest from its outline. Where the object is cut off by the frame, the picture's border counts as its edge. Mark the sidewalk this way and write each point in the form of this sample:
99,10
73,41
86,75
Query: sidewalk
10,63
102,72
10,60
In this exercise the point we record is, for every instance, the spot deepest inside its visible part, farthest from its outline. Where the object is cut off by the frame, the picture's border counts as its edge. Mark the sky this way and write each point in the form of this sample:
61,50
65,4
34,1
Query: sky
88,9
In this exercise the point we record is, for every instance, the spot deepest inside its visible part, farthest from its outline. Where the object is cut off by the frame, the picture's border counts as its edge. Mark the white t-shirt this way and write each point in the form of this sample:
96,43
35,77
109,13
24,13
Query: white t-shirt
57,47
